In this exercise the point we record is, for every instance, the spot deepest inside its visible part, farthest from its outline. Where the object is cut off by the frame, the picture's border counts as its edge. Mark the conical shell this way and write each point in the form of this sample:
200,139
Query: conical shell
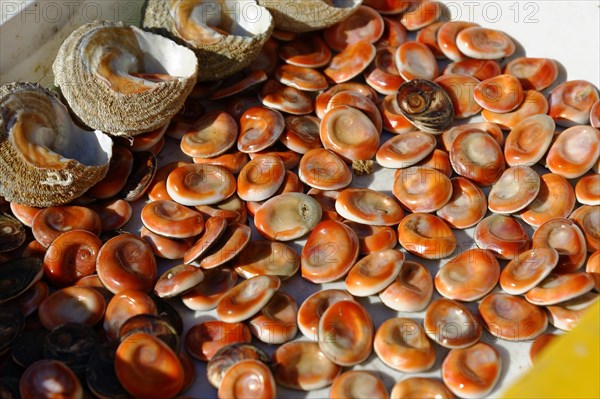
62,163
127,111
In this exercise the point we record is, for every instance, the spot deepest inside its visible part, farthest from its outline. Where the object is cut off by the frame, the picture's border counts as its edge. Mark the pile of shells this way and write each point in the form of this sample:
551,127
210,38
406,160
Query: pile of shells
236,241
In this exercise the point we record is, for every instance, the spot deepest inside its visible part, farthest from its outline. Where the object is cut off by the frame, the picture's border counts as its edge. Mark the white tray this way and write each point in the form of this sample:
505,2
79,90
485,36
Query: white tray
567,31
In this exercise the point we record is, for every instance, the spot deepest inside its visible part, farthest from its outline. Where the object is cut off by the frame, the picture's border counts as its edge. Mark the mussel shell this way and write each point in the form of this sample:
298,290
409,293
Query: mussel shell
144,169
17,275
27,348
426,105
100,374
72,344
11,325
230,355
153,325
12,233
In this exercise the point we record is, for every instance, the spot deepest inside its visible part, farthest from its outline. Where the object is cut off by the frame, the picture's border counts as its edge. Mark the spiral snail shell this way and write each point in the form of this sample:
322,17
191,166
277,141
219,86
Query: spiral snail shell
426,105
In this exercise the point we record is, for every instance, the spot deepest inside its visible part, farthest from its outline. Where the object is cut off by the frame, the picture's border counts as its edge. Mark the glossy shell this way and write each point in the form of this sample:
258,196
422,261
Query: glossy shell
529,140
467,204
72,305
528,270
368,207
123,306
358,384
248,378
570,102
200,184
373,273
587,190
207,294
574,152
49,223
415,60
502,93
247,298
517,187
502,235
211,135
228,356
287,216
420,387
451,324
411,291
557,288
267,258
477,156
426,236
534,103
373,238
556,198
405,149
426,105
566,238
586,217
422,189
276,322
177,280
311,310
483,43
511,317
351,62
533,73
170,219
34,382
461,89
204,340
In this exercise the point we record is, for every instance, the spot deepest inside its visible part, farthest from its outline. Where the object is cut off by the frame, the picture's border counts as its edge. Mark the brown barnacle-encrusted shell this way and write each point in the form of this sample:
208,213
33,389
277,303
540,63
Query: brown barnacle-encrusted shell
122,80
45,159
308,15
228,39
426,105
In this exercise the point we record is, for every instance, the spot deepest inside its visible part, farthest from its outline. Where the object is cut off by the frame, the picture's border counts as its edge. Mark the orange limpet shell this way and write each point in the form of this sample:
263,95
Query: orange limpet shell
595,115
71,256
394,33
72,305
260,178
538,346
114,213
205,339
593,268
49,379
574,152
24,213
415,60
260,127
214,228
276,322
588,219
467,205
511,317
373,273
529,140
571,102
232,161
422,14
533,73
144,357
363,205
49,223
502,93
566,315
428,36
247,298
287,216
477,156
301,365
460,88
119,168
472,372
327,238
517,187
402,344
170,219
411,291
126,262
248,378
309,51
124,305
358,384
483,43
587,190
312,308
382,75
393,120
451,324
233,240
211,135
373,238
30,300
323,99
438,160
352,326
358,101
326,198
261,258
446,38
34,250
528,270
419,387
426,236
157,190
177,280
479,69
165,247
364,24
556,198
405,149
503,235
301,133
249,81
291,100
534,103
566,238
351,62
468,276
208,293
490,128
557,288
324,170
200,184
421,189
301,78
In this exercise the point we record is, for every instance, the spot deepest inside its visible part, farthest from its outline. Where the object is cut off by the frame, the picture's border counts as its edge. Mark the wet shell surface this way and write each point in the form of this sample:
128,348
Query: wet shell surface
127,92
45,159
221,35
368,207
373,273
412,289
287,216
511,317
451,324
426,105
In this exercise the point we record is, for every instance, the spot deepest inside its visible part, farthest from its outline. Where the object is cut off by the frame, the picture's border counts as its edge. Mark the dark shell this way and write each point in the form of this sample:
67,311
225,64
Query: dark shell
153,325
9,388
167,312
230,355
100,375
12,233
17,275
426,105
144,169
28,347
11,325
72,344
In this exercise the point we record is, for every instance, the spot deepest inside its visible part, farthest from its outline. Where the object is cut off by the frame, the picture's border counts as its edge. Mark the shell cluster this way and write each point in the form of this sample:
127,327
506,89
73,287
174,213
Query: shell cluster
289,205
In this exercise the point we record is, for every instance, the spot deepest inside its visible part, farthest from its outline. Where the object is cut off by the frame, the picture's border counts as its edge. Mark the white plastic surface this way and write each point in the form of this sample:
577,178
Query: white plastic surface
567,31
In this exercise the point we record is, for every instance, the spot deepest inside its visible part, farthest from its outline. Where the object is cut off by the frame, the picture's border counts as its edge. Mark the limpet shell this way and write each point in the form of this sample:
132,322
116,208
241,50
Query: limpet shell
451,324
421,189
49,223
346,333
124,305
472,372
483,43
247,298
517,187
287,216
534,103
588,219
276,322
571,102
373,273
426,105
556,198
248,378
260,178
528,140
564,236
200,184
267,258
72,305
358,384
461,89
502,93
567,315
311,310
502,235
228,356
170,219
574,152
207,294
260,127
34,382
203,340
402,344
477,156
511,317
211,135
533,73
426,236
351,62
467,204
528,270
363,205
420,387
405,149
411,291
587,190
363,24
479,69
415,60
421,14
557,288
